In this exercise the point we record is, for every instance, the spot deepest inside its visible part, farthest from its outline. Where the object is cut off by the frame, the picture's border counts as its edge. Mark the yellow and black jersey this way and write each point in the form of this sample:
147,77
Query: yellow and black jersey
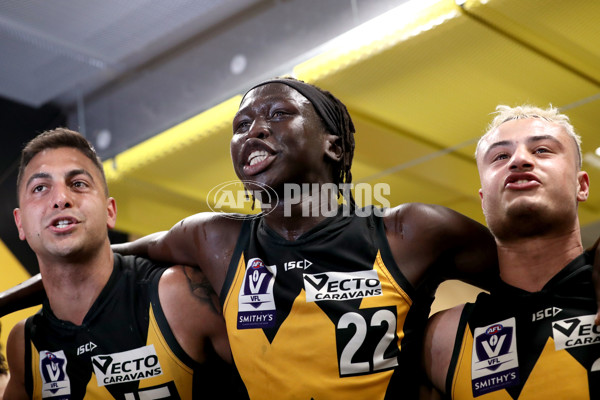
124,349
514,344
327,316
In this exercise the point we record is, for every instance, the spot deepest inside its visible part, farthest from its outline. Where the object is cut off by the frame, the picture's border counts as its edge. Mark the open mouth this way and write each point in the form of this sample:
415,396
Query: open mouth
63,223
257,156
520,180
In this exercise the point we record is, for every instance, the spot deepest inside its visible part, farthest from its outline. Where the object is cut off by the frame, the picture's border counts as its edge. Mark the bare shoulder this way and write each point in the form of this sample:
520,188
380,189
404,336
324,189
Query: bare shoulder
206,240
193,312
213,228
418,236
410,218
440,337
189,284
214,232
15,351
16,338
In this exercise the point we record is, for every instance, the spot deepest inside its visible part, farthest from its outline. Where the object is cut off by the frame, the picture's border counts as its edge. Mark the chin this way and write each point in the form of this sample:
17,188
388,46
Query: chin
522,224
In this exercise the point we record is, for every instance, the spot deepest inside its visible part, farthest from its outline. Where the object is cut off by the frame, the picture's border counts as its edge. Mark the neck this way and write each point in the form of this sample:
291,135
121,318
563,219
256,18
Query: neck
291,218
529,263
72,286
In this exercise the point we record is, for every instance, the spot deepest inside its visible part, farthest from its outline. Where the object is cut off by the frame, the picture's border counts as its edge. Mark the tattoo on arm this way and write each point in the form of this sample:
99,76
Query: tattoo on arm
202,289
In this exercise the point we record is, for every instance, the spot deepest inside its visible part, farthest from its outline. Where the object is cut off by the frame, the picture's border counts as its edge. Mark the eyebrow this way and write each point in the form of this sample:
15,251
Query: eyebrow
38,175
532,139
68,175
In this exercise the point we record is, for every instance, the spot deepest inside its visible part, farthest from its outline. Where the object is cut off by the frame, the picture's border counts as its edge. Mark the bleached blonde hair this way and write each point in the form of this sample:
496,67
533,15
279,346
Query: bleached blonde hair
551,114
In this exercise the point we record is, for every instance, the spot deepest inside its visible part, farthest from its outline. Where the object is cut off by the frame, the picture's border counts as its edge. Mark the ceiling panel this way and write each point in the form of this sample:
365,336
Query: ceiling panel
421,93
50,48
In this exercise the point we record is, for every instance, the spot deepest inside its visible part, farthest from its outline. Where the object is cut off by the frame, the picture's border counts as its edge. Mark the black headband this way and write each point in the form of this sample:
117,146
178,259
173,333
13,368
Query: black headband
329,112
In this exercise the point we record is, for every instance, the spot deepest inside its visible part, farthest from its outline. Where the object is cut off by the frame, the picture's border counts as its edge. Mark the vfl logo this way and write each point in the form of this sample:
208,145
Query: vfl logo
493,343
256,308
574,332
53,369
494,360
340,286
258,279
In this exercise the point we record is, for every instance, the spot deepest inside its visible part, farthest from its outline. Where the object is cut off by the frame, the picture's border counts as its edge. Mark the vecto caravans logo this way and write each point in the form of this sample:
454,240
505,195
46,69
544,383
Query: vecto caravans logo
126,366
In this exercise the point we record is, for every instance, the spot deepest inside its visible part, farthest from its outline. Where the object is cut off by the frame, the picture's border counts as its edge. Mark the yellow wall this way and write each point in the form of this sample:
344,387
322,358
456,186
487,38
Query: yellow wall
12,274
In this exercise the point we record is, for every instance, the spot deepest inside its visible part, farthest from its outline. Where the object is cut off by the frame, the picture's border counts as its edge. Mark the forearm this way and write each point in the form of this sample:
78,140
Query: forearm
473,256
26,294
140,247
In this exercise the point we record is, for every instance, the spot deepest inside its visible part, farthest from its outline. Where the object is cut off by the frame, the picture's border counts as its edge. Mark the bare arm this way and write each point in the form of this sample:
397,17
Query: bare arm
193,312
435,242
440,337
204,240
15,389
26,294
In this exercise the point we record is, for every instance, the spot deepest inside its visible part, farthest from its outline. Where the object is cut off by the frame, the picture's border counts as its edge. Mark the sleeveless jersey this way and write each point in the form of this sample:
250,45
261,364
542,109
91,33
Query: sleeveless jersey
124,349
327,316
513,344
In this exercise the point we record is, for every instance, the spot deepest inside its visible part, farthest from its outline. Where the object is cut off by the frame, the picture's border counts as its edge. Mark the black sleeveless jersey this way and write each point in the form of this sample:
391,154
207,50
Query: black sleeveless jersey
513,344
124,349
327,316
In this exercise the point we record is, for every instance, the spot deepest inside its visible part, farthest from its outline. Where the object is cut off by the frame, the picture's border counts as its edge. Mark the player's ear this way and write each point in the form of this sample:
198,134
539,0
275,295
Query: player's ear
17,215
583,186
111,213
333,147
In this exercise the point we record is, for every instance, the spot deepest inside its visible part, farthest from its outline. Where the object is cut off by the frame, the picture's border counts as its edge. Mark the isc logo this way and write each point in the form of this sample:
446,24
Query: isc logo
300,264
548,312
84,348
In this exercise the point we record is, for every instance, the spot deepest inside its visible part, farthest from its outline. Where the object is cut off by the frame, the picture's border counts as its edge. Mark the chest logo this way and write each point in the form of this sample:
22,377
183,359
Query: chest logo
340,286
126,366
53,369
574,332
494,360
85,348
256,302
300,264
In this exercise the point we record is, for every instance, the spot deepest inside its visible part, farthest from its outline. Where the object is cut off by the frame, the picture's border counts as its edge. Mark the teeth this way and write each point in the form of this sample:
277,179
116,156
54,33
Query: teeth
257,156
522,181
63,223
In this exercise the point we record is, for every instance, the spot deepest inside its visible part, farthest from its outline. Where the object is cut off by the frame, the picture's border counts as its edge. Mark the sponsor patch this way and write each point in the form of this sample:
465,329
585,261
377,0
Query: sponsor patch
494,363
575,332
340,286
53,369
256,302
127,366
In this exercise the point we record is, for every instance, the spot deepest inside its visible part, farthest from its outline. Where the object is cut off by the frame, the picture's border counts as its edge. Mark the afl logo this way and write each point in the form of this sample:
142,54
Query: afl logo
233,197
492,330
257,264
